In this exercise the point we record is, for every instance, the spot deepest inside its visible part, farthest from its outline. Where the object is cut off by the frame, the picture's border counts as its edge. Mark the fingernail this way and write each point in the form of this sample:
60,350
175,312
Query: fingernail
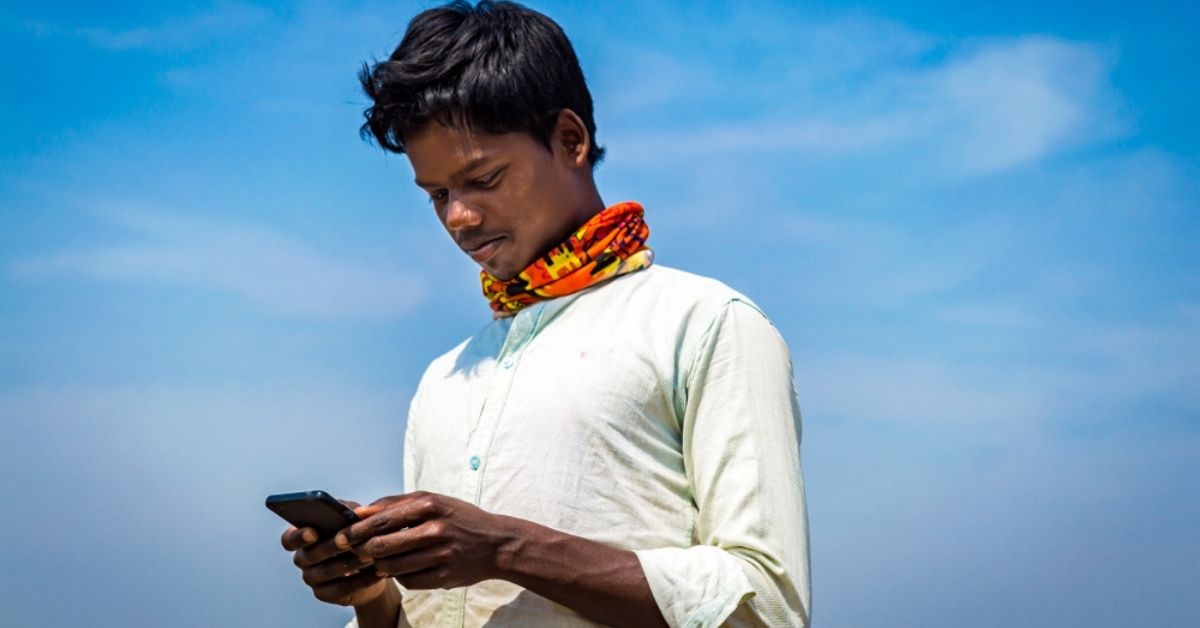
366,560
309,536
340,541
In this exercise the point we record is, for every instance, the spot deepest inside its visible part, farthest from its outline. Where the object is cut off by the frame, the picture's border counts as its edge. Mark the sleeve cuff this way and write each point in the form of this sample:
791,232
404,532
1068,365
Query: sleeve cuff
696,587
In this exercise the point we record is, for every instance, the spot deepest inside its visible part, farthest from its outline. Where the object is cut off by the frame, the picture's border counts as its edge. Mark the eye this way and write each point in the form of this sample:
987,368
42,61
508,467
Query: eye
437,196
487,180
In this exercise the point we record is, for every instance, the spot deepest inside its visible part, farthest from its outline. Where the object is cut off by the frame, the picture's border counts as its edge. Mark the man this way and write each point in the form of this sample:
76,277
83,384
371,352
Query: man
620,445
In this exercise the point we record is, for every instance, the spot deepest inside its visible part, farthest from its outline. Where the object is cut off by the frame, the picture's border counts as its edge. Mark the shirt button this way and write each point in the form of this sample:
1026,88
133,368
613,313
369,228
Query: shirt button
506,362
474,463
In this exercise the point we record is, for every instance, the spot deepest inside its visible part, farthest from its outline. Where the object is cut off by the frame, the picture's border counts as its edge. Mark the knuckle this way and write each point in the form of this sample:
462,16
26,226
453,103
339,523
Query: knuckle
427,504
437,529
384,501
442,575
379,522
374,546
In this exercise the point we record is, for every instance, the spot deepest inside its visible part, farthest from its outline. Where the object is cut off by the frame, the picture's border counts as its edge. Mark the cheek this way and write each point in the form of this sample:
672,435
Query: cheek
532,211
524,208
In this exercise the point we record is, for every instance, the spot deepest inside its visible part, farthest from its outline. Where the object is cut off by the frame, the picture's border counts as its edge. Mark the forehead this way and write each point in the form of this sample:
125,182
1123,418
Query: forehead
441,153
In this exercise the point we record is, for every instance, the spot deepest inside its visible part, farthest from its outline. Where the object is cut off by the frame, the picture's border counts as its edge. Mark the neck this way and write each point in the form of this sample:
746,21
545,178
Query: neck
586,202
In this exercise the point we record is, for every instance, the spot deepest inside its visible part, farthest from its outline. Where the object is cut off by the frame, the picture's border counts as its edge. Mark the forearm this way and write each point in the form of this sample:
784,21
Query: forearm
601,582
382,612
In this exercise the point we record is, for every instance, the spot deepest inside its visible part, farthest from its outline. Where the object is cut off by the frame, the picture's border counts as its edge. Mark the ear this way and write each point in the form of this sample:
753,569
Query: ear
571,139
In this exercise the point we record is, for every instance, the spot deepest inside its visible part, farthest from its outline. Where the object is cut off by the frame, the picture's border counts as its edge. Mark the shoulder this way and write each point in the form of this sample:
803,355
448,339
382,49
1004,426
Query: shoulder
686,297
463,361
677,310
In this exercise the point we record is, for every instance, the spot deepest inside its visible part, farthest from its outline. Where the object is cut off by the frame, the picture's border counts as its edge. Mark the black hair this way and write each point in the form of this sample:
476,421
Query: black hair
497,67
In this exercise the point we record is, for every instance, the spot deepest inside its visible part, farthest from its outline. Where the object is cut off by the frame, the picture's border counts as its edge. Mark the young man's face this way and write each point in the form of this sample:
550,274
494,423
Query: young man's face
505,199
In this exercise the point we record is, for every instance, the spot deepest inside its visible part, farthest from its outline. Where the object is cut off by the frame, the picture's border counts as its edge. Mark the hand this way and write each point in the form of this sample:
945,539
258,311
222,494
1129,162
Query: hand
429,541
331,572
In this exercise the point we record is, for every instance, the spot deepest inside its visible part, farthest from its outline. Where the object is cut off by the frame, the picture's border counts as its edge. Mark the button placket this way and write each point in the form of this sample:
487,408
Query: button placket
523,327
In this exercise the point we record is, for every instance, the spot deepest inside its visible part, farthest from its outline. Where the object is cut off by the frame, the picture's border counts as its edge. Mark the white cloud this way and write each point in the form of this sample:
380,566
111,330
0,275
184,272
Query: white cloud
1013,102
983,107
275,272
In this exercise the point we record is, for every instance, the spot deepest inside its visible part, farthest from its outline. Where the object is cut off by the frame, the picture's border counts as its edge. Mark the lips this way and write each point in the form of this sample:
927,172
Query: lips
483,250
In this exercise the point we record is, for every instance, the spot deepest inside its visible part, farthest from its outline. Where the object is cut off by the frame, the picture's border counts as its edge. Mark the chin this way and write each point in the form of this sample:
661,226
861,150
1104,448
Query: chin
505,270
503,275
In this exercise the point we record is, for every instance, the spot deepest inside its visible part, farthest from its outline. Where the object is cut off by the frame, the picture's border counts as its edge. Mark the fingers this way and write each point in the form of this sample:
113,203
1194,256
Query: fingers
413,562
343,566
402,541
295,538
392,500
389,515
316,553
435,578
348,591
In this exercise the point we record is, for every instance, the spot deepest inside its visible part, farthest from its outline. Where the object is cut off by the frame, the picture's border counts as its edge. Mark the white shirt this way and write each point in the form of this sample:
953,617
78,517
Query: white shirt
653,412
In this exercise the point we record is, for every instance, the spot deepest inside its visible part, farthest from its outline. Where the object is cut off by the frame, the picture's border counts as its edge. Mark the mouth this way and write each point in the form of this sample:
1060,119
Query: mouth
483,251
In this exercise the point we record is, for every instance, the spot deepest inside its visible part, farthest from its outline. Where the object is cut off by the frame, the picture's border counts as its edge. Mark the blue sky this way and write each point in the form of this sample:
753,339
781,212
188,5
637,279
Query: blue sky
975,226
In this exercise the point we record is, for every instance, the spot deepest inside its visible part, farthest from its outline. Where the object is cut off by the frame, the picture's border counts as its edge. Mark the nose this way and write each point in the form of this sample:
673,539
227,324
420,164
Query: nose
460,215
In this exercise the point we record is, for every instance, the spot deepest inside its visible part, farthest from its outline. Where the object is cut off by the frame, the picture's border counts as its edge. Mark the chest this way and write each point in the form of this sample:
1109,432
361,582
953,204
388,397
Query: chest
548,413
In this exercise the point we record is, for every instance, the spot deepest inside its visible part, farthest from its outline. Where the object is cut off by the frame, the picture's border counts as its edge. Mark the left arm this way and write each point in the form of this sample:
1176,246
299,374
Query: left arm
429,541
741,451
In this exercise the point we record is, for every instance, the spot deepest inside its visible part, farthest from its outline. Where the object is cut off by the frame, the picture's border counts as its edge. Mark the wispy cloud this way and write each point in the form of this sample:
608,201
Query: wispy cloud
978,107
275,272
1009,103
221,20
1134,372
914,391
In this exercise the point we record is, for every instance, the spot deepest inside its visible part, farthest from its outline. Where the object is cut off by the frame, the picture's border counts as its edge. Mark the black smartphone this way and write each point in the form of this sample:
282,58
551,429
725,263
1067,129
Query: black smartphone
313,509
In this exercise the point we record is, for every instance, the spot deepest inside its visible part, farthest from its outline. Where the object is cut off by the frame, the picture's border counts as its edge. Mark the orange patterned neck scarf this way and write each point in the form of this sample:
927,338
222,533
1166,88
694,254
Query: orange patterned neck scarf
612,243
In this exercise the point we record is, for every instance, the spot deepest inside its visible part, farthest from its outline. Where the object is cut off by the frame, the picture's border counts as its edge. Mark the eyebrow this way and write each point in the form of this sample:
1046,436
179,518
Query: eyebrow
469,166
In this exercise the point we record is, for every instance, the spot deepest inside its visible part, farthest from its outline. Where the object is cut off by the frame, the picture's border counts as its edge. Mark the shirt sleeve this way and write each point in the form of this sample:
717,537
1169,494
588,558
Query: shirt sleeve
741,448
